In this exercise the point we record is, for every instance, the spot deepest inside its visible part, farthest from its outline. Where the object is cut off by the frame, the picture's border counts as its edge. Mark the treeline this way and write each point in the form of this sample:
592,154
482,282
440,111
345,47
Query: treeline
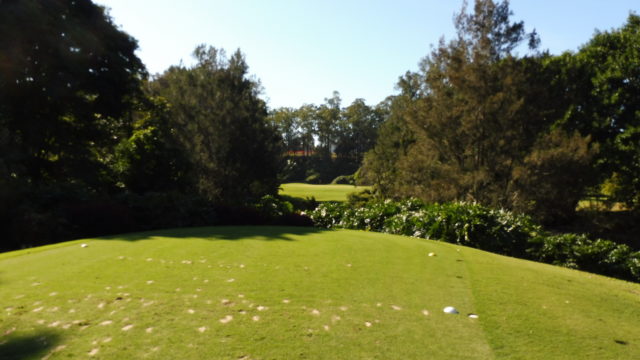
327,141
534,133
91,145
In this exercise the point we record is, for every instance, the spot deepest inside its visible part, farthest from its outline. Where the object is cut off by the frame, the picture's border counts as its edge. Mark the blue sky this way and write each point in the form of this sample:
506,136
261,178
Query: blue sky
303,50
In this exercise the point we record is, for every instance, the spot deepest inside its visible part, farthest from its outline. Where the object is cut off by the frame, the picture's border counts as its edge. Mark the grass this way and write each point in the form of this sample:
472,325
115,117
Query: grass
320,192
303,293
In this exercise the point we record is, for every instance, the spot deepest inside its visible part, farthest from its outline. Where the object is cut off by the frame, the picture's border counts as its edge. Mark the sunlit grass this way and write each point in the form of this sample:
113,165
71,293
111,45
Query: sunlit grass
320,192
282,293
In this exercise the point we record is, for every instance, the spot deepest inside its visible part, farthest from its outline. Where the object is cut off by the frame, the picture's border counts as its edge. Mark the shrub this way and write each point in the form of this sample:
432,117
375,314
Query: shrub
473,225
577,251
462,223
344,180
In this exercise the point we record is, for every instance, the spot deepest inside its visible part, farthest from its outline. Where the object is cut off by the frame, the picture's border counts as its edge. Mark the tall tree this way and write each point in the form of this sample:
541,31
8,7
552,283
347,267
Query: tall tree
68,76
604,80
221,122
479,113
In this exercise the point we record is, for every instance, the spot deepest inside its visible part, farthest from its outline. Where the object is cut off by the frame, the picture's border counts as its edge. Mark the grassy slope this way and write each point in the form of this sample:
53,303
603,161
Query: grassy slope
320,192
53,302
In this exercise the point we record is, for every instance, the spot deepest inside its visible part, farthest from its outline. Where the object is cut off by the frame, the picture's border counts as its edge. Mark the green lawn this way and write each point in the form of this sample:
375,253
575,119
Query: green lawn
303,293
320,192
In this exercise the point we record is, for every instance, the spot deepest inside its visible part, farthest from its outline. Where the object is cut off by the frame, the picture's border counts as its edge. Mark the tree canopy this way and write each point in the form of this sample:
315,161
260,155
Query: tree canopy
68,76
220,121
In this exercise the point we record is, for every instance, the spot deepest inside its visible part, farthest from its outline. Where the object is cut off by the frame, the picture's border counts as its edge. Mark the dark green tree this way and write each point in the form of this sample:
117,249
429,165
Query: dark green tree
380,164
68,77
603,79
478,114
235,154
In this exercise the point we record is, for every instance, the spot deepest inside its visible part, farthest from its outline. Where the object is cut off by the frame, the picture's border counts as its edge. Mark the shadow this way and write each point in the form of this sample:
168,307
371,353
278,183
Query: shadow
216,233
23,347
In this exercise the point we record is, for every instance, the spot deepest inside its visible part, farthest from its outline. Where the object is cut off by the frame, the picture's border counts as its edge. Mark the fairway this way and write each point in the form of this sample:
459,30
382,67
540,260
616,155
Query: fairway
303,293
320,192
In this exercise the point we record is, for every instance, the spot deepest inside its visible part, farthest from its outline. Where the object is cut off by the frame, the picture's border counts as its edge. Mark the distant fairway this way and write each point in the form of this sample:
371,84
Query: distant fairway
320,192
303,293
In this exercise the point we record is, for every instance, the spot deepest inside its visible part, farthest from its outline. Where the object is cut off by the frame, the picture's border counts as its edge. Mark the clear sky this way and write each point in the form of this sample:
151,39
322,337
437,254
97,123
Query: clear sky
303,50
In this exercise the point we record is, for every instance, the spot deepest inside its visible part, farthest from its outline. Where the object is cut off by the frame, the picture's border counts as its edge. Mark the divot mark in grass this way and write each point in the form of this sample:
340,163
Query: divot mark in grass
367,324
226,319
149,330
54,309
149,282
187,262
57,349
344,308
202,329
227,302
94,352
40,322
335,318
241,296
106,340
315,312
54,324
191,311
256,318
326,327
396,307
149,259
262,308
38,309
53,293
425,312
231,280
106,322
101,305
128,327
286,301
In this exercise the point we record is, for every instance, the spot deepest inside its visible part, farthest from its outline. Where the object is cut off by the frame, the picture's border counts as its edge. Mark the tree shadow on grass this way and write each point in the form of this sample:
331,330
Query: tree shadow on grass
265,233
32,346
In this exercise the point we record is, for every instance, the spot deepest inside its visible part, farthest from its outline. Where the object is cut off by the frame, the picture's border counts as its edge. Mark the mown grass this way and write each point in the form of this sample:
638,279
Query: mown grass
285,293
320,192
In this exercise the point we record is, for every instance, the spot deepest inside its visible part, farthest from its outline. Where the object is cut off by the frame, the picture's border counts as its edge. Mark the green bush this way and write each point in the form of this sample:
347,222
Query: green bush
462,223
344,180
476,226
577,251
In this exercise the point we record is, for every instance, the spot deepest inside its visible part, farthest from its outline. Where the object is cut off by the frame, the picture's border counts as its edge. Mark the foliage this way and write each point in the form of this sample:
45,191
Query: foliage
220,121
579,252
553,177
462,223
151,159
68,77
344,180
604,81
476,226
479,118
380,164
326,140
